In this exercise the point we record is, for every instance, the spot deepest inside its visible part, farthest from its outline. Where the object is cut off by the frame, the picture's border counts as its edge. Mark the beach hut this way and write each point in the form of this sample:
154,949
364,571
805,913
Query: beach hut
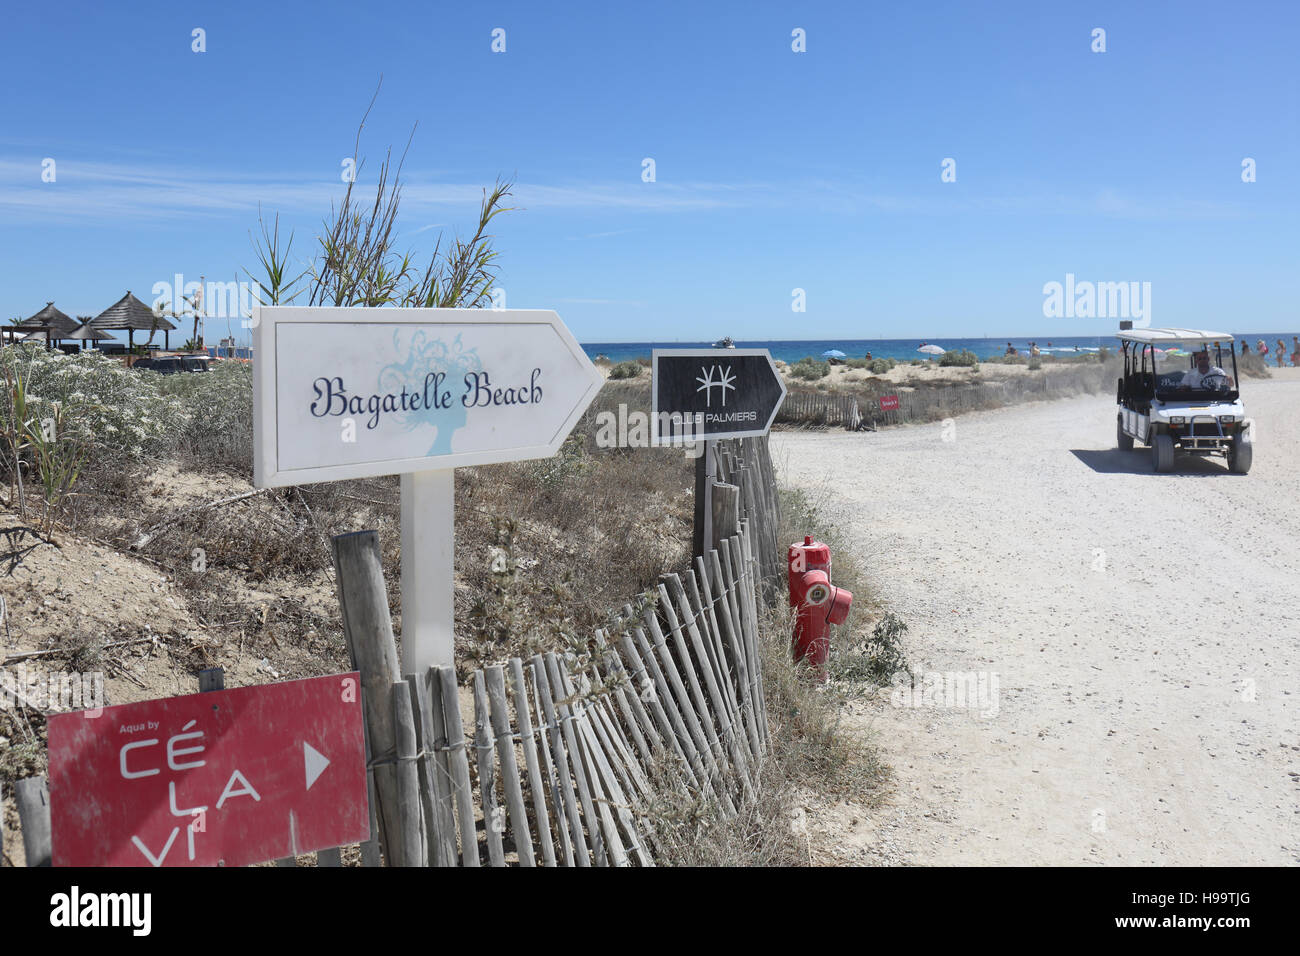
130,314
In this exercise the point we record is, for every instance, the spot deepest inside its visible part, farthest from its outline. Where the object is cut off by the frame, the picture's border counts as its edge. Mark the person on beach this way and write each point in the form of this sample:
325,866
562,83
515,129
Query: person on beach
1295,354
1281,353
1194,378
1245,347
1033,349
1011,349
1262,349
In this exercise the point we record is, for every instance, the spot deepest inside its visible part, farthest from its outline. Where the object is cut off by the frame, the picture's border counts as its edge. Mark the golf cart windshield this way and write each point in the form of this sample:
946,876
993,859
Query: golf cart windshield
1181,377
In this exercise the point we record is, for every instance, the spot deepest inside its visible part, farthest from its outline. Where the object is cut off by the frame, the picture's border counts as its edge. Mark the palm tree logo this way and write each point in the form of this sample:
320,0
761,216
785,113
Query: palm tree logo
707,383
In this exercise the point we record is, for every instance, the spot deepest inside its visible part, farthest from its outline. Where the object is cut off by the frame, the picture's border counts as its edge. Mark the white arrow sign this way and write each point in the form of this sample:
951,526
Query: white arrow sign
315,762
352,393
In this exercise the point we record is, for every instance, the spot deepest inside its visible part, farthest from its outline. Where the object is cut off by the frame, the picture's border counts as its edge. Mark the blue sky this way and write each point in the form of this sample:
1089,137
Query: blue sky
775,170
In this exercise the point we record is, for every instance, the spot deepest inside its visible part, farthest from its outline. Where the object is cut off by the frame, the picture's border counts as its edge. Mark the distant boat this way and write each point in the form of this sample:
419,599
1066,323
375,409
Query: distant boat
724,343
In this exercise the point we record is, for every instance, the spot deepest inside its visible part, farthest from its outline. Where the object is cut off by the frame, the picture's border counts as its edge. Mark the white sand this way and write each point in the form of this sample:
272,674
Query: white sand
1125,734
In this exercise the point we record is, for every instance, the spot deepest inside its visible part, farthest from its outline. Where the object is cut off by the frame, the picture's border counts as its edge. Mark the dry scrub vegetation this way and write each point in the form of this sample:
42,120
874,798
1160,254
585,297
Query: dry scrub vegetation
544,549
160,470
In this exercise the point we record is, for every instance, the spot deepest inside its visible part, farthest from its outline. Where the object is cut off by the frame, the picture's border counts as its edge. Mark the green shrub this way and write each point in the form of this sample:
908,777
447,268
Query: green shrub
810,369
880,366
877,659
118,409
218,406
1035,363
625,370
960,357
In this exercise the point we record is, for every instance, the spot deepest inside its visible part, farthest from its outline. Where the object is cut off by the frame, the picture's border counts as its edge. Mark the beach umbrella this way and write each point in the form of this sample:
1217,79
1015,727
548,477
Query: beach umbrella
833,353
130,314
931,350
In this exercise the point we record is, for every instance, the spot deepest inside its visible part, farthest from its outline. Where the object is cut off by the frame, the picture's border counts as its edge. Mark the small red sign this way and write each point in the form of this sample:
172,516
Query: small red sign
888,403
225,778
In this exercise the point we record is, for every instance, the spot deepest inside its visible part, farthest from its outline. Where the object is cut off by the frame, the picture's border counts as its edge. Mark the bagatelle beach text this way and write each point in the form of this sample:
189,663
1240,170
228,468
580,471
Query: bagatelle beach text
333,398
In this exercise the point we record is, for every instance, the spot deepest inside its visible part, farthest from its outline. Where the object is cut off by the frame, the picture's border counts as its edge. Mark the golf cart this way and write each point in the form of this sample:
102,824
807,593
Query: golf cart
1173,400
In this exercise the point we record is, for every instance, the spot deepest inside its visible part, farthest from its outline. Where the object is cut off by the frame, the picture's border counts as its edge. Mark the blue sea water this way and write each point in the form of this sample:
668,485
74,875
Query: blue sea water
898,349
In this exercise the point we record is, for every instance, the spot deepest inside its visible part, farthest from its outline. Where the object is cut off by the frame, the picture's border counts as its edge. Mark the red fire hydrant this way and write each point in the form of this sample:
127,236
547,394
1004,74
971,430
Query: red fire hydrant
820,604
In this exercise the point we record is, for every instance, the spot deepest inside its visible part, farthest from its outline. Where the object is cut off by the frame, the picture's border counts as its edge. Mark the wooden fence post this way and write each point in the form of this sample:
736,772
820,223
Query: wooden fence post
33,798
408,847
705,474
458,760
499,718
368,628
726,512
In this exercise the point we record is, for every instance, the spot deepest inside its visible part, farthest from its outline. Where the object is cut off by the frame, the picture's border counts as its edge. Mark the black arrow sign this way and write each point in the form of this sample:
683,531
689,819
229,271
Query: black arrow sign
725,393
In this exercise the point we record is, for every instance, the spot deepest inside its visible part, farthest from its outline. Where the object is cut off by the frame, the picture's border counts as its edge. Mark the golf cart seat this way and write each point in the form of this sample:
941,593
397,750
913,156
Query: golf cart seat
1144,386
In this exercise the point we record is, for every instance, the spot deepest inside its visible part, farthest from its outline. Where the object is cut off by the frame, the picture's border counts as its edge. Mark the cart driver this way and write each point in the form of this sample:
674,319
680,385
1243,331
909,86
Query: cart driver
1194,377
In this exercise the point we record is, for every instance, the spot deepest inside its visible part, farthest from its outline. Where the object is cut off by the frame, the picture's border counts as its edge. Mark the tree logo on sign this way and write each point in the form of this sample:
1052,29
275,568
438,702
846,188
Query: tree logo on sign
707,383
423,355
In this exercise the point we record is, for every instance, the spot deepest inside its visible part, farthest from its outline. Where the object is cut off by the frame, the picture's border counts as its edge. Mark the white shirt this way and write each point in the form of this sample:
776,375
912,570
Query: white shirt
1193,378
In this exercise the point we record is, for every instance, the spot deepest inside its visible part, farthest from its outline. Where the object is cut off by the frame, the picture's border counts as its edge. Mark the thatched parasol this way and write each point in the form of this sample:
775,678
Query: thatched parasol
131,314
87,332
49,324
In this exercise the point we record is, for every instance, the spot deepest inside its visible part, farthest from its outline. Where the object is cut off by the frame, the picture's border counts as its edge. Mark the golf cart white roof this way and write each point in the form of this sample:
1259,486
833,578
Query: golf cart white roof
1163,336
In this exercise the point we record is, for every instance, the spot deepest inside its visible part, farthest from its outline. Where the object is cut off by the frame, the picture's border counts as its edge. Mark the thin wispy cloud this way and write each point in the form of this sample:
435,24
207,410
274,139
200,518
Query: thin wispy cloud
100,191
104,192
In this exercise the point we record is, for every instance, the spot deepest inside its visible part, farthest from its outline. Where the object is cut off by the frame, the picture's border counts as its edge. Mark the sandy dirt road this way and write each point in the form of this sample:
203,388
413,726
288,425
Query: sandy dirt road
1144,630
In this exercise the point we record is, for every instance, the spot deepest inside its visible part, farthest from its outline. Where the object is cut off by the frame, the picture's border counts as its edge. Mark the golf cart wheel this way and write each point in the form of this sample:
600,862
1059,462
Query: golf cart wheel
1162,453
1241,453
1122,438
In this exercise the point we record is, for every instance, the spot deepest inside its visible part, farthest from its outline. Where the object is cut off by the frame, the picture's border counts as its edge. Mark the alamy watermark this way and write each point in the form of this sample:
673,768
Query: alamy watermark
214,300
1075,299
969,690
636,429
51,691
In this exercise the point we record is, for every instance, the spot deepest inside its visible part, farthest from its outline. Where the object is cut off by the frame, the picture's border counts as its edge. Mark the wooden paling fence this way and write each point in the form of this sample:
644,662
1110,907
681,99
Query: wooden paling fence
746,465
821,408
555,760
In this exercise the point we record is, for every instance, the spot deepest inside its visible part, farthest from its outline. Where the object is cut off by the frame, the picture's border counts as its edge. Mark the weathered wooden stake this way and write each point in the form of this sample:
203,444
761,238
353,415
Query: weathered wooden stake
368,628
408,848
33,798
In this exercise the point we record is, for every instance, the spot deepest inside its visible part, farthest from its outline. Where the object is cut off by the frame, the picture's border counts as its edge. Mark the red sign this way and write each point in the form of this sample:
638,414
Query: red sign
225,778
888,403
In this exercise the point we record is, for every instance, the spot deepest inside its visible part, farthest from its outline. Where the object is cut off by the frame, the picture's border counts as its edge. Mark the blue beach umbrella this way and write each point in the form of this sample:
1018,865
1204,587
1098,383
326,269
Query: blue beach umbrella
833,353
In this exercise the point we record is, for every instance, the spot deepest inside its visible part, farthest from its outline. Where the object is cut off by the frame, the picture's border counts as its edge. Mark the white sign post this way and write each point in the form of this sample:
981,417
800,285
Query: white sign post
356,392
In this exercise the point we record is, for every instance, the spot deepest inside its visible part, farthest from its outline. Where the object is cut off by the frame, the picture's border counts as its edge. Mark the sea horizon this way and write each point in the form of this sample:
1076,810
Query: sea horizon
791,350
